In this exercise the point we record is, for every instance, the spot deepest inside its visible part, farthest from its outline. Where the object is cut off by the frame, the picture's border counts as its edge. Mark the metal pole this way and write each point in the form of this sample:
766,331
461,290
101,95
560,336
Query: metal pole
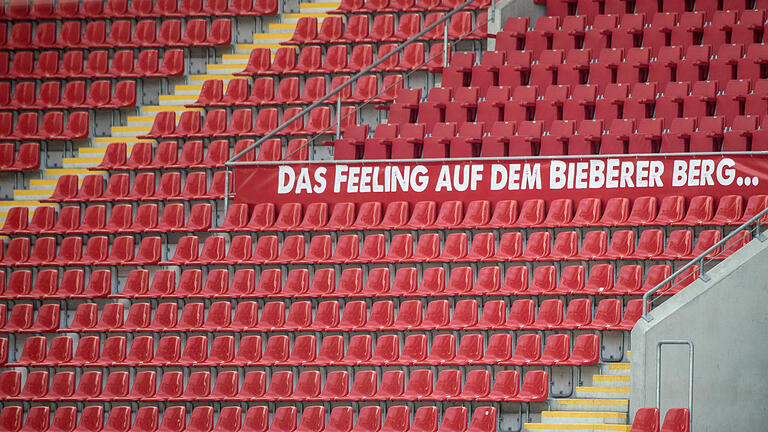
445,45
226,191
690,375
338,117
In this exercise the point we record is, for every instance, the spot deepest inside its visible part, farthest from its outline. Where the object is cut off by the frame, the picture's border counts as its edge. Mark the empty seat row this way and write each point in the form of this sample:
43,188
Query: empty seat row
376,6
414,56
564,137
26,158
89,9
278,351
119,187
591,8
29,126
46,284
518,280
627,30
676,419
230,419
71,34
97,252
74,65
354,318
382,29
171,388
26,96
167,155
315,88
148,218
23,319
533,213
539,246
241,123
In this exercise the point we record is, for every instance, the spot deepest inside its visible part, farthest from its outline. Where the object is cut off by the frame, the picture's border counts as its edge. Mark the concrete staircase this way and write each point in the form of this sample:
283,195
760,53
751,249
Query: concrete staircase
91,154
603,406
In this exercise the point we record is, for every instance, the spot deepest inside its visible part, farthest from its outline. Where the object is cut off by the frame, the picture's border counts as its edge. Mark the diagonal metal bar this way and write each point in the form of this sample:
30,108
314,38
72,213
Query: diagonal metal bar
354,78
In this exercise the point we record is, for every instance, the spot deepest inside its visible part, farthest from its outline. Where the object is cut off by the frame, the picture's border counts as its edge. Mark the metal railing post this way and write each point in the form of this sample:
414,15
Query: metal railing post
226,190
690,375
338,117
445,45
702,272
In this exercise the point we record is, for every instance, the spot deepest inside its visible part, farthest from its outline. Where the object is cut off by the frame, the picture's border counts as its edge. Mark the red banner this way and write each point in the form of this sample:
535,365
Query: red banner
467,180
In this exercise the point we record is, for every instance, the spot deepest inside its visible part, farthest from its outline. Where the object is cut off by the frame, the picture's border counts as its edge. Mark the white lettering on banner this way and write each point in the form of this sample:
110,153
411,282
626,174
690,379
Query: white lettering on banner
611,173
285,180
725,172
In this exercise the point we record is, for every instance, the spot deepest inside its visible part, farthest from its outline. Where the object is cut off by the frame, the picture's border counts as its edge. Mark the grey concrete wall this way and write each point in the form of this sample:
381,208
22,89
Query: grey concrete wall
512,8
727,320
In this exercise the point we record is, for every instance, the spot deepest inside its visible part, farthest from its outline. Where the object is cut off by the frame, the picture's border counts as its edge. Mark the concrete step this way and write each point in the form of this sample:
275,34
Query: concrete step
615,369
610,380
32,204
601,392
590,417
590,404
574,427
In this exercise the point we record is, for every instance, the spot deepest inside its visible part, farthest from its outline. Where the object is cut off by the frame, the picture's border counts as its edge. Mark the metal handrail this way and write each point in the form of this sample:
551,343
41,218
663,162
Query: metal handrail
354,78
407,74
699,260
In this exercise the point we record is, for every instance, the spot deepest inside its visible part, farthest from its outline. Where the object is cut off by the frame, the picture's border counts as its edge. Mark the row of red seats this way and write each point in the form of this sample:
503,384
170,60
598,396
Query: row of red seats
278,351
29,126
121,220
171,388
376,6
355,317
676,419
74,65
632,30
456,248
382,29
23,319
96,9
612,66
565,137
26,158
577,103
241,122
285,419
413,57
533,213
97,252
288,91
71,34
119,187
167,156
26,96
591,8
519,280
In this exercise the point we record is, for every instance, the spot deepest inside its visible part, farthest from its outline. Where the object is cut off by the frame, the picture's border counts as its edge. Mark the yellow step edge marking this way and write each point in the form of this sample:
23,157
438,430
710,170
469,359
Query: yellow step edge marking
603,389
576,426
233,57
224,66
140,118
175,97
302,15
259,36
188,88
81,160
24,203
211,76
38,182
319,4
584,414
32,191
96,150
610,378
62,171
130,129
282,26
618,366
592,401
170,108
261,45
102,140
